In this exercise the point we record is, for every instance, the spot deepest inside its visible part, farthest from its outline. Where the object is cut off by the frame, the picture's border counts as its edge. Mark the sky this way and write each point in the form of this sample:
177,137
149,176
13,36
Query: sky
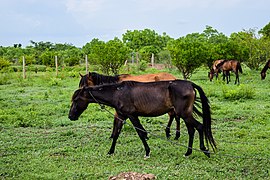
77,22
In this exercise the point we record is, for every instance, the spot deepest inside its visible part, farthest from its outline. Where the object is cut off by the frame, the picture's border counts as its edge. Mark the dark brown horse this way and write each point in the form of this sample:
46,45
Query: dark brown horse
230,65
133,99
265,68
93,79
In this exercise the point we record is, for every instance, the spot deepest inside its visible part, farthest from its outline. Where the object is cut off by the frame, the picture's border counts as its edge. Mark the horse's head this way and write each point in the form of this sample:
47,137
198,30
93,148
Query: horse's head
86,80
263,75
211,74
79,104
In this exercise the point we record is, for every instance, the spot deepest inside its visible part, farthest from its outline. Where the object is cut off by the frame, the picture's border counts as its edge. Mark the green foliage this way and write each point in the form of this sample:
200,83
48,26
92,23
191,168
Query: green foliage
188,53
143,65
4,63
110,55
240,92
48,58
265,31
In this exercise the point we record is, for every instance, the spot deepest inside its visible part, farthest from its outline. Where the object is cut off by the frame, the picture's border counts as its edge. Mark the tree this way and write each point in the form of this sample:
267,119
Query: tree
217,45
188,53
146,42
252,49
70,56
110,56
117,54
265,31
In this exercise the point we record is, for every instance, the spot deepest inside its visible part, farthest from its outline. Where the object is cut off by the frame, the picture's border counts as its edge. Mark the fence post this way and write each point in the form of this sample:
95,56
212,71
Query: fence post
152,60
56,65
24,75
86,64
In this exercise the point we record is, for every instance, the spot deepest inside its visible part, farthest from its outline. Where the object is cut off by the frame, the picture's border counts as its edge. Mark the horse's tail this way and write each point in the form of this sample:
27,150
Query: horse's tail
239,67
206,115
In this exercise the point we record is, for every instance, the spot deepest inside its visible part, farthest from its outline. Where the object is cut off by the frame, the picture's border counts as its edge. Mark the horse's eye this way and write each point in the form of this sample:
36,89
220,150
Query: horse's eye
100,89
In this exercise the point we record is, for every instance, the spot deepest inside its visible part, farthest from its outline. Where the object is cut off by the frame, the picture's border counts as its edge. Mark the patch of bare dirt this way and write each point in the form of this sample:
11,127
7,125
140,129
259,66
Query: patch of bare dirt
133,176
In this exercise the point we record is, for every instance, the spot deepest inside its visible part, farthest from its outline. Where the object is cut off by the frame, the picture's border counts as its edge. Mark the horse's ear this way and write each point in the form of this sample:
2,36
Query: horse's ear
89,74
81,75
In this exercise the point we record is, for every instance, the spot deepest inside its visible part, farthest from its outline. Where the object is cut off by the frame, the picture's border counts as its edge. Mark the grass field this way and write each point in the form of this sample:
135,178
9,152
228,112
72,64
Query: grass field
38,141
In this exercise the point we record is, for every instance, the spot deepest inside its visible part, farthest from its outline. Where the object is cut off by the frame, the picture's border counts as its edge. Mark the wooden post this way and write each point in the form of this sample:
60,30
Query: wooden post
132,58
24,75
56,66
152,60
137,57
86,64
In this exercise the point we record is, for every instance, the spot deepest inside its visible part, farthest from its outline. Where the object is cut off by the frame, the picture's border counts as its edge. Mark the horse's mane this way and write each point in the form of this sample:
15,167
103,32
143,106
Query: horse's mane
99,79
267,65
221,64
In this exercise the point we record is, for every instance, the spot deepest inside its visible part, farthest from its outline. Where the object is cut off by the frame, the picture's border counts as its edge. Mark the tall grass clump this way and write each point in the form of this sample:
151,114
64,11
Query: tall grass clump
238,92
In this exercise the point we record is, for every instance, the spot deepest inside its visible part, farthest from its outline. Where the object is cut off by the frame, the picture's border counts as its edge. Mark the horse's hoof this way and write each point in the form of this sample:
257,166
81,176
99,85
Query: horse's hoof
207,153
188,153
110,152
147,156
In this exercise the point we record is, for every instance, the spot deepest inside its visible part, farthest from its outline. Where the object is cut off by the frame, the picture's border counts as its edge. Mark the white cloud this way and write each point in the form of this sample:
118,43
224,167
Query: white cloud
182,4
83,6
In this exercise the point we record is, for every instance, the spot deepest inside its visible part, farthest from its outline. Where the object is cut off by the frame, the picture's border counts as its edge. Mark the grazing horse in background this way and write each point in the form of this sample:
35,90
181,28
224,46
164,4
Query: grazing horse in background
214,69
263,72
132,99
93,79
230,65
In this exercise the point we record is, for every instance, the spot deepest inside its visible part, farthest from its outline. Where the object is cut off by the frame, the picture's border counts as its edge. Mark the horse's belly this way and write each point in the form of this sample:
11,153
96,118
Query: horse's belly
153,111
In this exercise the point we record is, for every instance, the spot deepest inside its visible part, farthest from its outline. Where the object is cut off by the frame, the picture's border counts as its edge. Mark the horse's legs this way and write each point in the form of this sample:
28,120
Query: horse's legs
142,134
191,132
177,135
172,115
115,122
168,130
192,123
237,78
117,129
228,78
223,75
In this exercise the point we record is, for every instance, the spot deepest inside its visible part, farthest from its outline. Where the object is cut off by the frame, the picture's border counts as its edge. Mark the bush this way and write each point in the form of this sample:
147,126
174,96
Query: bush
240,92
143,65
4,63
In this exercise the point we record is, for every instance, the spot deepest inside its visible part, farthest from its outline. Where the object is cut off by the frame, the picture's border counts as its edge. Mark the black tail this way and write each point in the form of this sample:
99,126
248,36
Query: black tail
239,67
206,117
267,65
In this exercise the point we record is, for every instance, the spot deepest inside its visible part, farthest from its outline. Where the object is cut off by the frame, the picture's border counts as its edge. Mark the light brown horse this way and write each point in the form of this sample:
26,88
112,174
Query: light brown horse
263,72
214,69
230,65
93,79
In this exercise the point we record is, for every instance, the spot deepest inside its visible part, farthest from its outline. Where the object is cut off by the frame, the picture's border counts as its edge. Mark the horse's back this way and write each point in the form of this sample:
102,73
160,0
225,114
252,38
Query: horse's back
163,76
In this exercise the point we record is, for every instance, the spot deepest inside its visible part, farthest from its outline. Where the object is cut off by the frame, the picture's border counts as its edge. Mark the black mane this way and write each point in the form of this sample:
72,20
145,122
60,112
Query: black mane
99,79
220,64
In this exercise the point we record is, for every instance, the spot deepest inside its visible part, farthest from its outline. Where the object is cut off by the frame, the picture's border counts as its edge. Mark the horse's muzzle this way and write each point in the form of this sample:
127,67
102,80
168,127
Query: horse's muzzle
72,118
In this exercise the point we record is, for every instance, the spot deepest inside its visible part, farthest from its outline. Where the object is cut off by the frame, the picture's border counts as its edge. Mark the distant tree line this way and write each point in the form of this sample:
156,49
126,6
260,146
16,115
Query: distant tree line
187,53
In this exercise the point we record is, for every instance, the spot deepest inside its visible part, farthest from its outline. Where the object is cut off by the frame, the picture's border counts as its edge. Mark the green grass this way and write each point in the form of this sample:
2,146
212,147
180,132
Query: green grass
38,141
